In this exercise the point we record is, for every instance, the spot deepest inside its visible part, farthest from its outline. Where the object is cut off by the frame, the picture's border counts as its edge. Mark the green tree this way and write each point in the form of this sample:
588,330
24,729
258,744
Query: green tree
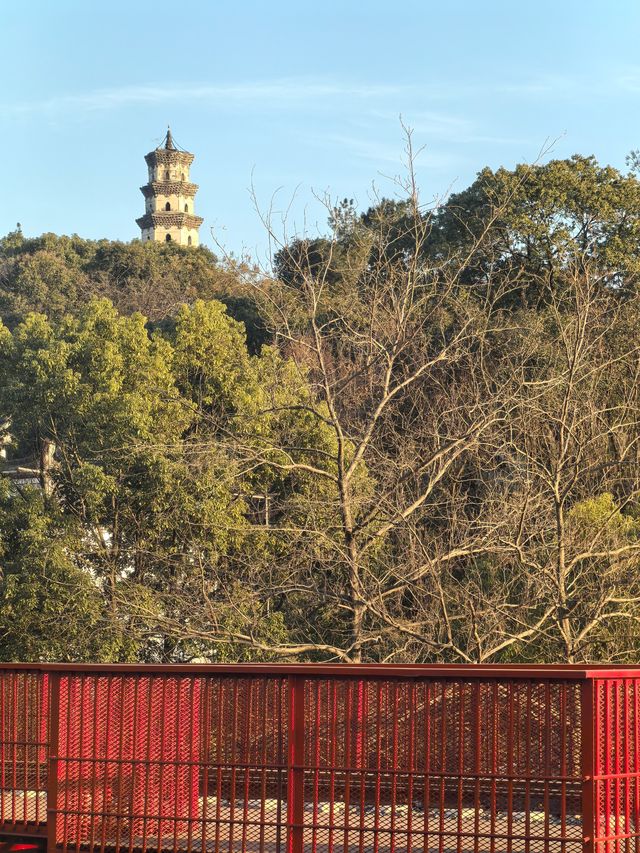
532,225
163,442
51,608
101,391
56,275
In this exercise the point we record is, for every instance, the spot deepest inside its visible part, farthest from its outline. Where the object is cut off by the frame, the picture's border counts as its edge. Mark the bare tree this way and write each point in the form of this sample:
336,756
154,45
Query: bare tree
467,488
395,352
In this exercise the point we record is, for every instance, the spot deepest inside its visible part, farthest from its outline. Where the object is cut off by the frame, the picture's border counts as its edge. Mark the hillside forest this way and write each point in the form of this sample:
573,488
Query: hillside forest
414,437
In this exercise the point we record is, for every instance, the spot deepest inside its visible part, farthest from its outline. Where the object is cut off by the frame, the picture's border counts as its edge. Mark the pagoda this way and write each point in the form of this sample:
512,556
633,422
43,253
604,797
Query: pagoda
169,197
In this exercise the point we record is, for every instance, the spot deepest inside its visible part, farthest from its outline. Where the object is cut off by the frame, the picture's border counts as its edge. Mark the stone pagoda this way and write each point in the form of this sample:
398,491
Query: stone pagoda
169,196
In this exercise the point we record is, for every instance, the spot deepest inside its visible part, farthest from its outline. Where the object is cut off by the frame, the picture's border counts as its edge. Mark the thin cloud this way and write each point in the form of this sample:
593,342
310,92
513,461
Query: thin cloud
366,148
363,148
280,91
446,127
629,80
590,84
293,90
437,124
546,86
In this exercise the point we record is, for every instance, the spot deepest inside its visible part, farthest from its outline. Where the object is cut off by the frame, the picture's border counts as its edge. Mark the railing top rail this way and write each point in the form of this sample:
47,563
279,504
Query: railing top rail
338,670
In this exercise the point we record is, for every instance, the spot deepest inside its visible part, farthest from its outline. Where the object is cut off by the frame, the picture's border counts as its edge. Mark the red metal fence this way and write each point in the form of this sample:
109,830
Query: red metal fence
321,759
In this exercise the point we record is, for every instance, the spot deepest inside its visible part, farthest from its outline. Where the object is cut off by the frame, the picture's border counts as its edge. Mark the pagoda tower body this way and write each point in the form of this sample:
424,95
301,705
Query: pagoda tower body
169,197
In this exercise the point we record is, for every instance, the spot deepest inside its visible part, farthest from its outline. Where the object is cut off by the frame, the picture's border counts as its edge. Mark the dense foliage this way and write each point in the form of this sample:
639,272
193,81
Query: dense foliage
417,438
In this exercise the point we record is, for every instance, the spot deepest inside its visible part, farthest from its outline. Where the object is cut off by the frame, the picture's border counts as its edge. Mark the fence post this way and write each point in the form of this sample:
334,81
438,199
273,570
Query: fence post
588,763
52,764
295,765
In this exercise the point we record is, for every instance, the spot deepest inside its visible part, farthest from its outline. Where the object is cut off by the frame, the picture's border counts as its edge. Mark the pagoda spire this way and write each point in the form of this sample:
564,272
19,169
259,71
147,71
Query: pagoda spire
169,197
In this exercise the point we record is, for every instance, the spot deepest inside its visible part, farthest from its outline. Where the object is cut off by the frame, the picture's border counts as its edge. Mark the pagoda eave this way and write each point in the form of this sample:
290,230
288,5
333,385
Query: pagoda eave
158,188
169,219
168,157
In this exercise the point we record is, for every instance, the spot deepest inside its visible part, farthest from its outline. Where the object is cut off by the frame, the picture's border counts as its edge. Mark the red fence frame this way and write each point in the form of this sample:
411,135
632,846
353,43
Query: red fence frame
321,758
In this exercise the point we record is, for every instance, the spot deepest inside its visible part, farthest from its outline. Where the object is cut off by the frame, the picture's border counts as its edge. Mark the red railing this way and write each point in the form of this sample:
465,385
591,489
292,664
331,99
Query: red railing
321,759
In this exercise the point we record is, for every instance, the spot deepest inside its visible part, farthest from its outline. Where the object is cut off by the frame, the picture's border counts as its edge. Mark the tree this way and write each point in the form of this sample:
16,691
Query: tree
395,354
470,435
56,275
573,469
101,392
544,218
147,430
425,449
50,607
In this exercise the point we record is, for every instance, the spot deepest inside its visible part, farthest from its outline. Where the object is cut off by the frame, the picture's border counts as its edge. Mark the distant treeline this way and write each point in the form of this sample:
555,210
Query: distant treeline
413,439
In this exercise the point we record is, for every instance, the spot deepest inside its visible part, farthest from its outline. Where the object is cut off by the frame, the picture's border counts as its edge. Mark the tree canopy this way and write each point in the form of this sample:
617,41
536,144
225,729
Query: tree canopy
416,438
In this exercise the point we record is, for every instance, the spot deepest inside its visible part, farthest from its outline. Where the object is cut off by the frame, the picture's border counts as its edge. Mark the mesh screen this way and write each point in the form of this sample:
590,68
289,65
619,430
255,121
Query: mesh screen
24,742
442,765
617,758
310,764
171,763
127,759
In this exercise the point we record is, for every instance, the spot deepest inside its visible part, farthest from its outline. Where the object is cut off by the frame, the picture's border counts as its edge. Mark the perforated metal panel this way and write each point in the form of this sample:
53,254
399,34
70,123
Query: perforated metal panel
616,814
325,759
24,739
165,762
127,760
442,764
244,772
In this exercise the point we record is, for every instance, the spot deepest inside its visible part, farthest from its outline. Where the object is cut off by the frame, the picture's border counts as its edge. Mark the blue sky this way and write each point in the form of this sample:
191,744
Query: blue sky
297,99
